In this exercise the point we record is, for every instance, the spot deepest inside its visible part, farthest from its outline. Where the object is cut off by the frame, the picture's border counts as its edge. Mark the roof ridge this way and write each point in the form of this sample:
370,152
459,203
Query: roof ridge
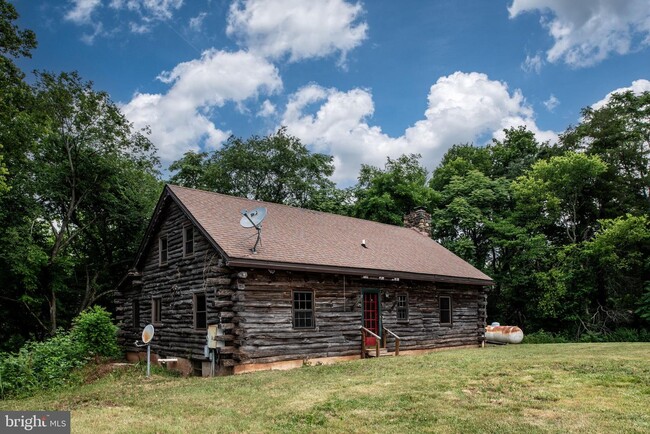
292,207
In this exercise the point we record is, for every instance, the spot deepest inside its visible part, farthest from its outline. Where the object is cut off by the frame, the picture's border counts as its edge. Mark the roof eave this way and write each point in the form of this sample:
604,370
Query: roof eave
387,274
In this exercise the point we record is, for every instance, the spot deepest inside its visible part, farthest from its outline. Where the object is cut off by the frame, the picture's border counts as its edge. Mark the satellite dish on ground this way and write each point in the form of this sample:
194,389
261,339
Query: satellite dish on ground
253,219
147,334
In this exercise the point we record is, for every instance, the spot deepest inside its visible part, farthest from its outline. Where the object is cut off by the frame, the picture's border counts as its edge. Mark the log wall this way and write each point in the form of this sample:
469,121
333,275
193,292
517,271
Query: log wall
254,307
175,284
263,315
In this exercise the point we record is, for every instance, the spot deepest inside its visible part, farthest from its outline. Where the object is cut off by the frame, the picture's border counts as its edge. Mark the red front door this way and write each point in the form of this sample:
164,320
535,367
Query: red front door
371,315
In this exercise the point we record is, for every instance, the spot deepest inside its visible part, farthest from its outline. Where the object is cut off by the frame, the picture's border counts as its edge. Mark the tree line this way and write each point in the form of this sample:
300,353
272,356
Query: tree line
562,228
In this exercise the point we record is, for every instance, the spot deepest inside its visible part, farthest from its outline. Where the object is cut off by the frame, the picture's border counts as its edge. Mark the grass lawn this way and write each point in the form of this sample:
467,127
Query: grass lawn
519,388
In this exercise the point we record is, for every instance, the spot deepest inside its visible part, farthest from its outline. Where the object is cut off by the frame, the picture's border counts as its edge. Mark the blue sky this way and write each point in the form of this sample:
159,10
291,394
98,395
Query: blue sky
357,80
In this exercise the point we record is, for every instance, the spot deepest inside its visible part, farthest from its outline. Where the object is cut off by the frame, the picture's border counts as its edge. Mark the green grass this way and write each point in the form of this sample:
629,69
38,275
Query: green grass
559,388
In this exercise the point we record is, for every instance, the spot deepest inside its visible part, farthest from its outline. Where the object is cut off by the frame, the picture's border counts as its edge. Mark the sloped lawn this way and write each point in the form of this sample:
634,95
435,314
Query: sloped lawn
519,389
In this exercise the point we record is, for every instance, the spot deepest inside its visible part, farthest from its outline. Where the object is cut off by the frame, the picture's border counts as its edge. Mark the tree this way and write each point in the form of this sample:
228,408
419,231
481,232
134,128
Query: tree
469,210
14,92
387,195
80,198
276,168
560,191
618,133
459,160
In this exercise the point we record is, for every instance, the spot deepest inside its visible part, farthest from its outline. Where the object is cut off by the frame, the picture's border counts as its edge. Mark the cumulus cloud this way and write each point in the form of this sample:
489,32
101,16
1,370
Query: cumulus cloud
462,107
551,103
637,87
267,109
586,32
181,119
301,29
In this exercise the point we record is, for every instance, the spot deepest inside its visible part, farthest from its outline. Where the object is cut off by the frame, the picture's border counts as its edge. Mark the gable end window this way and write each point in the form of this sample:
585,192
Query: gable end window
188,240
303,309
200,311
402,308
444,303
156,310
162,250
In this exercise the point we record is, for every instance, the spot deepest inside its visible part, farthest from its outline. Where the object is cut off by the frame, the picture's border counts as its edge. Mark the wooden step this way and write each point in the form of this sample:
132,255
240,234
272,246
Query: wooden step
383,352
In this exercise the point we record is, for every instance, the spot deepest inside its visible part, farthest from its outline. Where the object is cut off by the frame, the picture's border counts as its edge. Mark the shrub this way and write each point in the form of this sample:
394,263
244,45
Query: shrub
55,362
95,333
544,337
40,365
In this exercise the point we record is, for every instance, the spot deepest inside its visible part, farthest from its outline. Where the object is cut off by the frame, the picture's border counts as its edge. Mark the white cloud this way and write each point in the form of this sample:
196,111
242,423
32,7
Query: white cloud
149,9
147,13
196,23
462,107
267,109
301,29
139,28
533,64
637,87
82,11
551,103
588,31
181,119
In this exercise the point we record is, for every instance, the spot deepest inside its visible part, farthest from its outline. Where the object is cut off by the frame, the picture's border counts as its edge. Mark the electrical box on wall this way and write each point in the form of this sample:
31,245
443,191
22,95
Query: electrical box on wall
212,335
215,336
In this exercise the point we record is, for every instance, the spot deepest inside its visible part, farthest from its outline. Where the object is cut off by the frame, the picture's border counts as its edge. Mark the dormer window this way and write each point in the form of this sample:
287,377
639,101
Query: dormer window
188,240
162,250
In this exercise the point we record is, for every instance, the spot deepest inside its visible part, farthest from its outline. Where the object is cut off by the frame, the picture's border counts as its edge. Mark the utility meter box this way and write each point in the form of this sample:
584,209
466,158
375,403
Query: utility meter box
212,335
215,336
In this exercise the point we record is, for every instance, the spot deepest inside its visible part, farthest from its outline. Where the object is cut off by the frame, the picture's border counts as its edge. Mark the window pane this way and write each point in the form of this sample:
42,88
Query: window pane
201,320
189,240
200,302
136,313
155,310
445,310
303,309
162,247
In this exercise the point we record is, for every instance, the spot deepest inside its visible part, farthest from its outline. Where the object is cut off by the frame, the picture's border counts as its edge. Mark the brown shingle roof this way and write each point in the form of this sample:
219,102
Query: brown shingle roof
295,238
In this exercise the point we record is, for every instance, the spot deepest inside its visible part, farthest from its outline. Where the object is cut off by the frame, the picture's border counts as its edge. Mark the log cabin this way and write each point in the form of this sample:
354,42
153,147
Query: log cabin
317,288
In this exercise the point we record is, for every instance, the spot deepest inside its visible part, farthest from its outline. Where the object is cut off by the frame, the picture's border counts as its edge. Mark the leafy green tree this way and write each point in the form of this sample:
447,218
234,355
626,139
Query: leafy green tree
81,194
560,191
275,168
468,213
387,195
459,160
618,133
14,92
515,154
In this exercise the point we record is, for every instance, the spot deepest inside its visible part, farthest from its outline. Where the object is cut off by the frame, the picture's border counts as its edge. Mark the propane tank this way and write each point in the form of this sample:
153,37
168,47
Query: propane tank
504,334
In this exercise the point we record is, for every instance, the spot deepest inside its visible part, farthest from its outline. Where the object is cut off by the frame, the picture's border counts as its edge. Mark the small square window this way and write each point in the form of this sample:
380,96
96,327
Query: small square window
188,240
156,311
162,250
303,309
200,311
445,310
402,308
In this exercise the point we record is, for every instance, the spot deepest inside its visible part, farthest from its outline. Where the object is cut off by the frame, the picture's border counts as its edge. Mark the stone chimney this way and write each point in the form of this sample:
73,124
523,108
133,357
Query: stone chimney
419,219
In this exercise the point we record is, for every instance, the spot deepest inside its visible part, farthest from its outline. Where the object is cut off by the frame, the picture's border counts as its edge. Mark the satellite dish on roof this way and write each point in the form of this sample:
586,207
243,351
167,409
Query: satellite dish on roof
253,219
147,334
